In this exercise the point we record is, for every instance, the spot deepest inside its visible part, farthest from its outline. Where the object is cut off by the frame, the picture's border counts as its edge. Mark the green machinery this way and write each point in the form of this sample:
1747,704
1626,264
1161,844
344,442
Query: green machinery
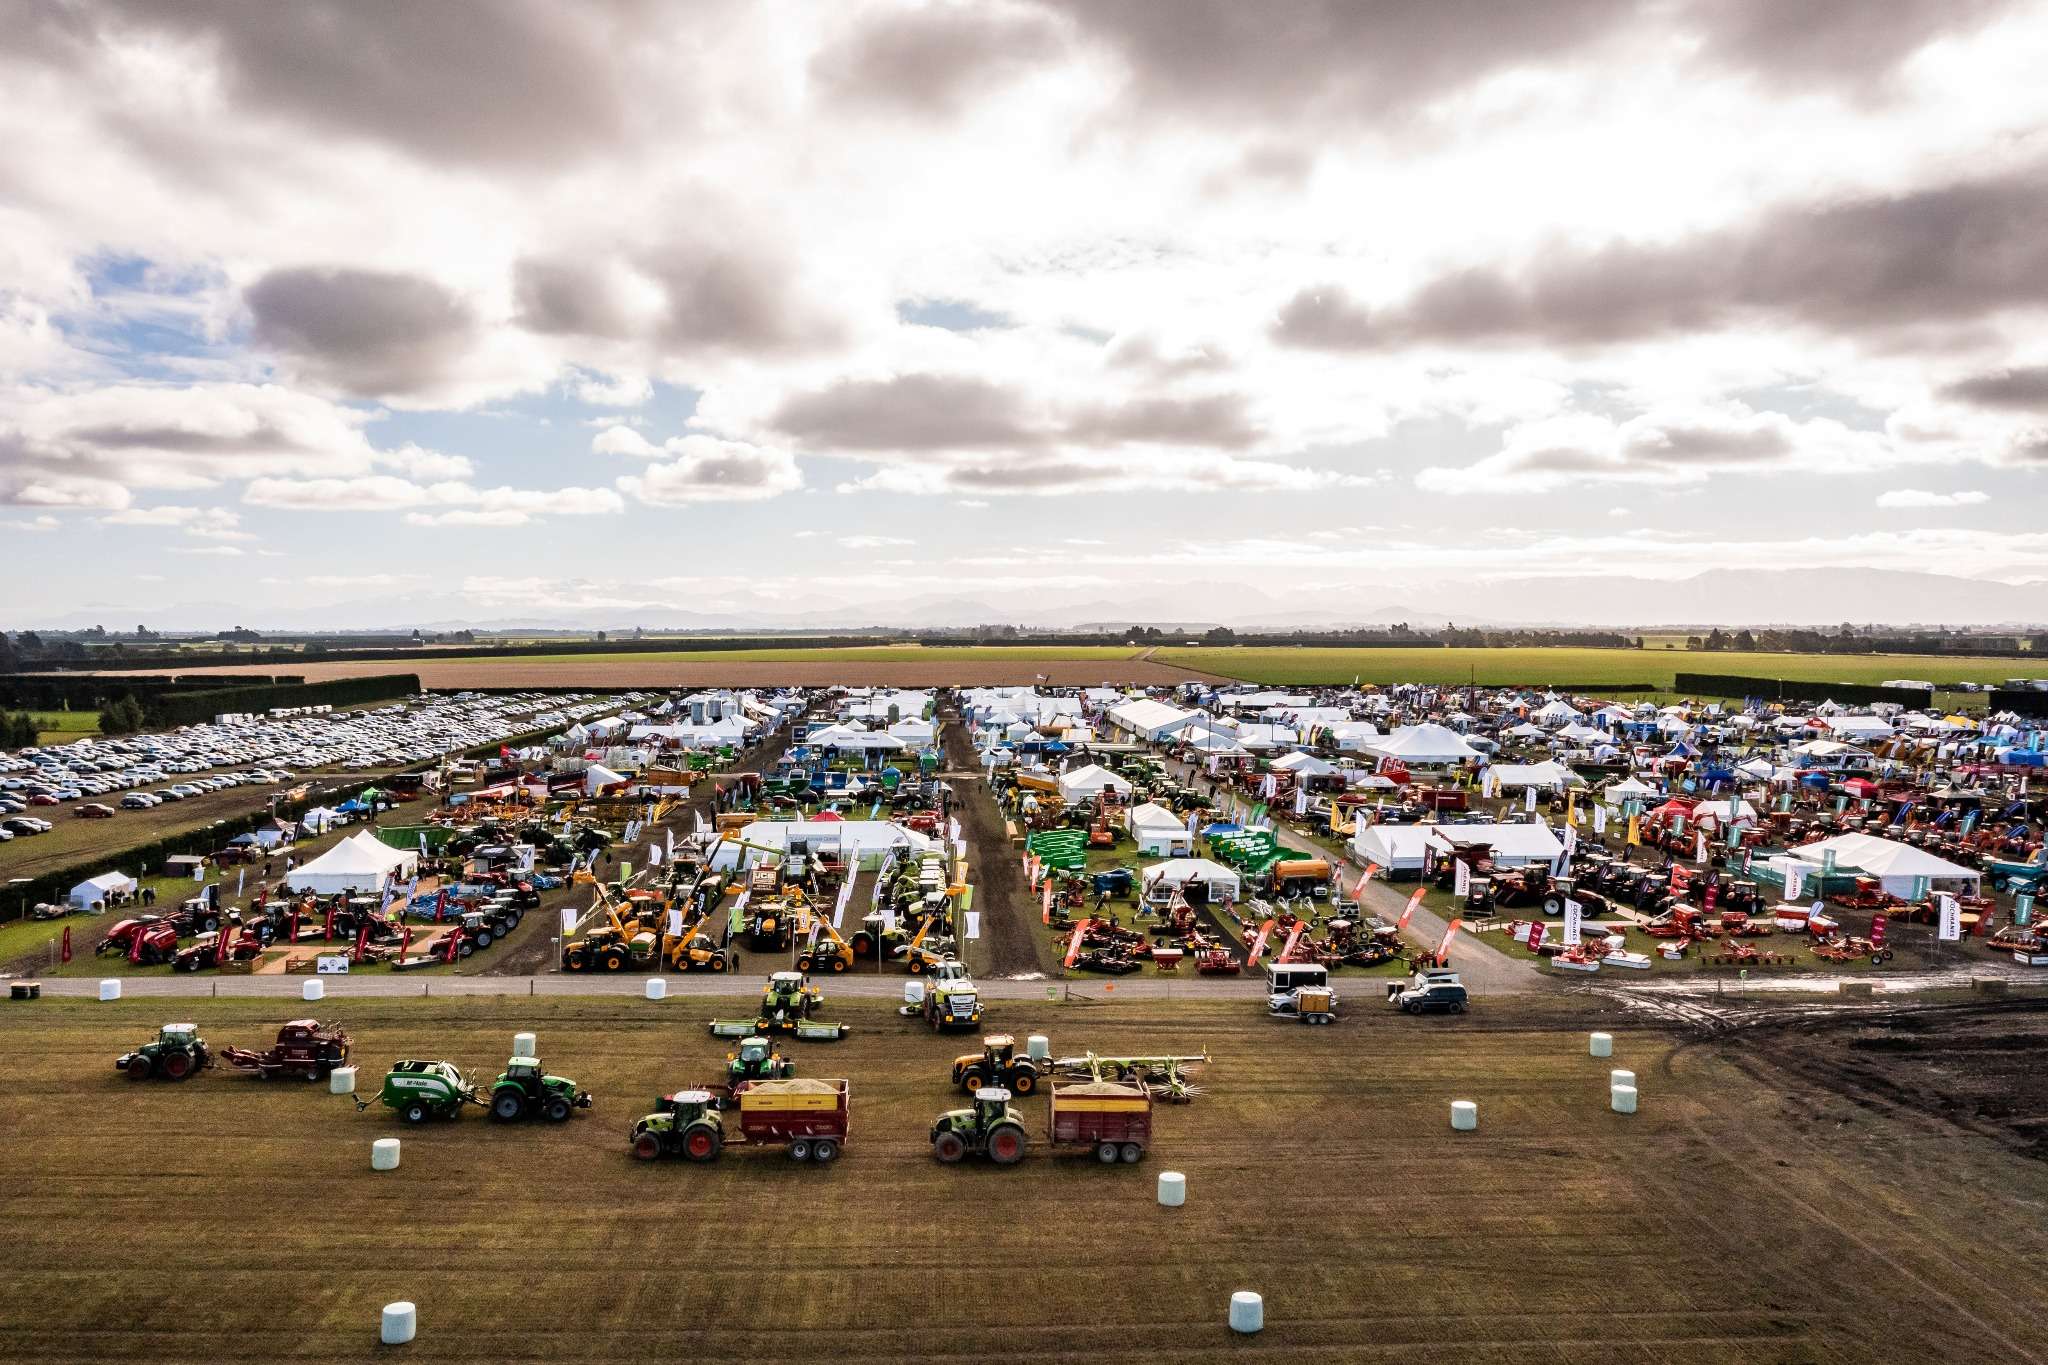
991,1128
789,1004
524,1089
422,1090
177,1052
756,1060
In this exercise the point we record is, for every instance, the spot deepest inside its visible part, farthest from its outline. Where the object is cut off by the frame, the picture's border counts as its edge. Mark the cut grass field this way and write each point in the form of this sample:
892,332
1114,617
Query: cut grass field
61,727
1737,1218
1586,667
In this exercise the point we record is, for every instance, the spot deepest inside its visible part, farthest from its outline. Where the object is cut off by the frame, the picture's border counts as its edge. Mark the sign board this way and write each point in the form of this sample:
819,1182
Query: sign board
2023,908
568,921
1951,918
1462,879
1600,819
1795,881
1573,913
1879,922
675,924
331,964
974,924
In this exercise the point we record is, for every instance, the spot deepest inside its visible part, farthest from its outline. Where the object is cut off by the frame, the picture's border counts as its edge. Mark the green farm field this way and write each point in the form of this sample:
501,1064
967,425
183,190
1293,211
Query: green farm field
225,1220
1583,666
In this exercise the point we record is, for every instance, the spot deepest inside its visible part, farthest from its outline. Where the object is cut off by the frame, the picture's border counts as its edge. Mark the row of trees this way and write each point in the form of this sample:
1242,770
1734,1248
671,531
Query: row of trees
18,731
122,716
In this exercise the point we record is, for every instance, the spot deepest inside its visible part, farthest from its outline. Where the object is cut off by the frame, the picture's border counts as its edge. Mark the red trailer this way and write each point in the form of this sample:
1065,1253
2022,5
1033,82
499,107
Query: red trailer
1114,1119
305,1047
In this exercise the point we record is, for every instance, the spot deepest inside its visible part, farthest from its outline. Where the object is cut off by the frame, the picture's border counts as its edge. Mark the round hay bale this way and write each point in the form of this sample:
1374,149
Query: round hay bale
341,1081
1464,1115
1247,1312
1622,1099
384,1154
1602,1045
401,1323
1173,1189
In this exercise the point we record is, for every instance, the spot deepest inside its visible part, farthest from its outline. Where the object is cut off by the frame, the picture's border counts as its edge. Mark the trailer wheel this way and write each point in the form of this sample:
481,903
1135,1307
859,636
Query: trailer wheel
1131,1153
416,1112
1106,1153
824,1150
799,1149
139,1068
647,1147
948,1148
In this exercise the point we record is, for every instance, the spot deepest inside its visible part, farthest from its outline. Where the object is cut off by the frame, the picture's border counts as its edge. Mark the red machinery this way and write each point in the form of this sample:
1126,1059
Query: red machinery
305,1048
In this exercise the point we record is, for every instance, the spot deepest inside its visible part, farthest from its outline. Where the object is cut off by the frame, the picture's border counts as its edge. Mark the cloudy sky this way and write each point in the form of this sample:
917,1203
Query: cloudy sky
515,309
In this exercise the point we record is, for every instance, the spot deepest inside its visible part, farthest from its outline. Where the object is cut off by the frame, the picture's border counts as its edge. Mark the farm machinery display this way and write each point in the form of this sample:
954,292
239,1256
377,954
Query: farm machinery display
789,1004
176,1053
1110,1119
1164,1074
807,1118
422,1090
524,1089
305,1048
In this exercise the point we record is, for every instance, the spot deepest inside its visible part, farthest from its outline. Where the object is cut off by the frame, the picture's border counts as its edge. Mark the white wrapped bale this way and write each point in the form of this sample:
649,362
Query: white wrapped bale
401,1323
341,1081
657,988
1247,1312
1602,1045
1622,1099
313,989
1620,1077
1464,1115
384,1154
525,1045
110,988
1038,1048
1173,1189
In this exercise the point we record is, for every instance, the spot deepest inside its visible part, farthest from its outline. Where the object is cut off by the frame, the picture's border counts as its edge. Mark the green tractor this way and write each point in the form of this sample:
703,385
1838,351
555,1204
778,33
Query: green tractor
787,1003
756,1060
525,1090
422,1090
178,1053
685,1123
991,1128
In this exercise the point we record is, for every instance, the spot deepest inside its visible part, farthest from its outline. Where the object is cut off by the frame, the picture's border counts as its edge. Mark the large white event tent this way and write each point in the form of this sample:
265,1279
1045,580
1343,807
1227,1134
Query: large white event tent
1427,744
358,863
1897,866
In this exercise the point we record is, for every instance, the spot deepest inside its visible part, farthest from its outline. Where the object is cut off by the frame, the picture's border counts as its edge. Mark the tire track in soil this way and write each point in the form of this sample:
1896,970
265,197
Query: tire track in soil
532,951
1001,891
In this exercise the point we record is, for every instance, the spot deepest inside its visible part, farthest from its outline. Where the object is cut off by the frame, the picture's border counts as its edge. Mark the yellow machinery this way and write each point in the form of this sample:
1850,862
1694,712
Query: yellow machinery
823,949
619,943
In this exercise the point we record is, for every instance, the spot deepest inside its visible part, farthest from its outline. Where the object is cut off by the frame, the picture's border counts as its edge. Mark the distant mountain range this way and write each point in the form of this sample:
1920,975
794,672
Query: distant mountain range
1729,598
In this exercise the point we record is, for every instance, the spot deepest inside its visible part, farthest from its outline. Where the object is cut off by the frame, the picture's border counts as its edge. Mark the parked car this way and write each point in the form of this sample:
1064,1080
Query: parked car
93,810
44,799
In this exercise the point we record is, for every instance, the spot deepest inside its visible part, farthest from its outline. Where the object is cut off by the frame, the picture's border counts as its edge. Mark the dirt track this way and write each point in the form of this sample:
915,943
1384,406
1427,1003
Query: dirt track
625,672
1003,898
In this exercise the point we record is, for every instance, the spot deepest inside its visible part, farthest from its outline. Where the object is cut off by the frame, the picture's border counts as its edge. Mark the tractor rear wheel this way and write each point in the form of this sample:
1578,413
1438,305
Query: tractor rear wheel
1131,1153
948,1148
1106,1153
177,1065
824,1151
647,1147
973,1079
800,1149
1006,1145
507,1105
702,1144
139,1068
465,948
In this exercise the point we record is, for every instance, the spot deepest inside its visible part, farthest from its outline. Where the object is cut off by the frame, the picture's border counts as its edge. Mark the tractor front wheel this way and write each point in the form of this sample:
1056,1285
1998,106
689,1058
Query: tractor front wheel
614,960
948,1148
1024,1080
139,1068
972,1079
718,963
558,1110
917,966
838,965
647,1147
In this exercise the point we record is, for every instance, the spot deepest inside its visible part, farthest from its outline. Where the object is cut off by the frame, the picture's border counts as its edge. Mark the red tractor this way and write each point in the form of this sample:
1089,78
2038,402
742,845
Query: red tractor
146,940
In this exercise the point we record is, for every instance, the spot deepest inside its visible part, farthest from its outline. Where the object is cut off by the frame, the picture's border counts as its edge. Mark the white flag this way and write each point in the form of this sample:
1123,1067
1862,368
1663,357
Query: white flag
1951,916
1529,799
1572,914
1461,876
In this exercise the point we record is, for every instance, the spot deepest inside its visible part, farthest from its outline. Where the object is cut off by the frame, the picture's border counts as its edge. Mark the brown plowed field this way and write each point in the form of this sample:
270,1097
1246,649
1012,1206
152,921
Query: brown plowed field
1744,1217
625,672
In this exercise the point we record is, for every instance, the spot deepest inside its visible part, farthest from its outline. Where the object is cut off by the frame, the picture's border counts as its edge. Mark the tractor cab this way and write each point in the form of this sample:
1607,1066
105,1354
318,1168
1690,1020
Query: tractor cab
686,1107
999,1048
788,995
991,1106
178,1035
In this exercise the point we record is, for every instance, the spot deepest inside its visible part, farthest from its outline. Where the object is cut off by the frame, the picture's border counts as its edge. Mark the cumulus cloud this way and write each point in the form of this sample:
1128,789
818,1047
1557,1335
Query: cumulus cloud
1914,497
1944,255
2021,389
930,60
365,332
1846,42
1663,447
692,469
